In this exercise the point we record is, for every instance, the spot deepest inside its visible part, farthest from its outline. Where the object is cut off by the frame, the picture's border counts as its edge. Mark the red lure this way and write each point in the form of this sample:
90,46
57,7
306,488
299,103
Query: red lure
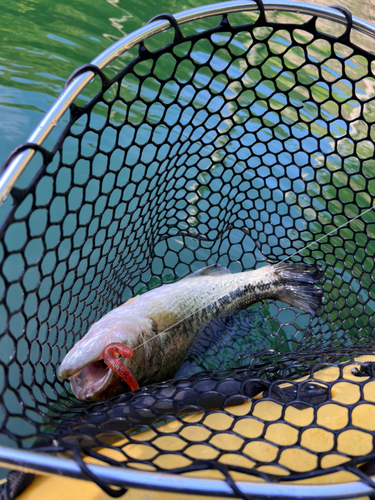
115,364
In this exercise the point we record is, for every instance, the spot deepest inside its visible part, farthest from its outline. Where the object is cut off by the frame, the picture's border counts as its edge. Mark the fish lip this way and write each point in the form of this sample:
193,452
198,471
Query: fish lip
71,366
85,389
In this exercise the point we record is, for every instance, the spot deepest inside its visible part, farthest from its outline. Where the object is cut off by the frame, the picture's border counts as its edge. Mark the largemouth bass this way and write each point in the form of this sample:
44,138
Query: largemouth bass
158,328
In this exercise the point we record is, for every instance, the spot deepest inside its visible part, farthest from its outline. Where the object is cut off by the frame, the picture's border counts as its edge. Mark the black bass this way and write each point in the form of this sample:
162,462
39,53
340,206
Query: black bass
155,330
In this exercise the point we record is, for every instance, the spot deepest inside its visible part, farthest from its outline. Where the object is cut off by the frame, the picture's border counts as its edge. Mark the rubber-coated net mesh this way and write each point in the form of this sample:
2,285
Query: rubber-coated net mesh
228,146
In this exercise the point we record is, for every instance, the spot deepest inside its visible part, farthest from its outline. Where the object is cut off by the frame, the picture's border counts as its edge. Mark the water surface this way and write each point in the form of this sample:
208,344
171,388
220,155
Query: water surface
43,42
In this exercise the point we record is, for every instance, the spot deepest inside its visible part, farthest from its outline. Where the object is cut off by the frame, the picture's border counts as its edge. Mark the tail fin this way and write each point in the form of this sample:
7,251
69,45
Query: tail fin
299,288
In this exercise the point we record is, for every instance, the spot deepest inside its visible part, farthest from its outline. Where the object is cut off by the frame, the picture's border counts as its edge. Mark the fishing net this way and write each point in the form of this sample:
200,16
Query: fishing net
236,140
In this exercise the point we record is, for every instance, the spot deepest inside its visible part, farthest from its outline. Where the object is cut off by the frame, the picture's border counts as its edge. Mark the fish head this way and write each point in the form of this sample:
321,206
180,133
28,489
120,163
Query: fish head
90,378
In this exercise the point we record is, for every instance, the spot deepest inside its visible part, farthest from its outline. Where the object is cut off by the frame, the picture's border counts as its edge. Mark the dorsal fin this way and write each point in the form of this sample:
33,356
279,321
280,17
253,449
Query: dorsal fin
214,270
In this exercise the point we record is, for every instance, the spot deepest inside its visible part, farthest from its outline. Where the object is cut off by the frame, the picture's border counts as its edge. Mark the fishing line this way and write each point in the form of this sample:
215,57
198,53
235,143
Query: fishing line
277,264
326,235
178,322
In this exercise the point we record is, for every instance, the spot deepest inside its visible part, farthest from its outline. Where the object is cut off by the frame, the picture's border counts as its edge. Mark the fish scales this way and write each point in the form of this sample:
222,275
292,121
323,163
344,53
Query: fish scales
213,296
161,325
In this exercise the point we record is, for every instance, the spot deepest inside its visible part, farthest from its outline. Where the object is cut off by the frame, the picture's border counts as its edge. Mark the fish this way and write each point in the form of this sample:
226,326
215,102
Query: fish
154,331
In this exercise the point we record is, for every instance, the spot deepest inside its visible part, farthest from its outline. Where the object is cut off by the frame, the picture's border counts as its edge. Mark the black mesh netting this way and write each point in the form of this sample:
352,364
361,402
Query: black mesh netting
227,146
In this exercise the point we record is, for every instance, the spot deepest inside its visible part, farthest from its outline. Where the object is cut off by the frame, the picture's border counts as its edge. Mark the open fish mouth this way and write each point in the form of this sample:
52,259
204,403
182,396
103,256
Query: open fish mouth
103,376
94,382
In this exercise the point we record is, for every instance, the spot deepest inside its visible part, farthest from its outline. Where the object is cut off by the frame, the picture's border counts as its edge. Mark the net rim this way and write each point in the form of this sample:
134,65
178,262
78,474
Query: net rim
174,483
13,171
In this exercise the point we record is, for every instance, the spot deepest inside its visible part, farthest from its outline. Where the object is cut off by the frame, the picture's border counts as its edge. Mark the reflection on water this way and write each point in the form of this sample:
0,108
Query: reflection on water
118,22
43,42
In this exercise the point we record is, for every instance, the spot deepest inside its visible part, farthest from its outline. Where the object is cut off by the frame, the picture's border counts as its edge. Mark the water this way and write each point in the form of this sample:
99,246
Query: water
43,42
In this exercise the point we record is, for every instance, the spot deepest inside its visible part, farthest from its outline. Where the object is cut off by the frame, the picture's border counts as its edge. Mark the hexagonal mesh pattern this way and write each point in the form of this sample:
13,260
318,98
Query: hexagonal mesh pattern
235,138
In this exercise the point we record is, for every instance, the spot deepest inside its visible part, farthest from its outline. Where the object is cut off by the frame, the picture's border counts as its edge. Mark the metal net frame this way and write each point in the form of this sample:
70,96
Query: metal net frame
228,144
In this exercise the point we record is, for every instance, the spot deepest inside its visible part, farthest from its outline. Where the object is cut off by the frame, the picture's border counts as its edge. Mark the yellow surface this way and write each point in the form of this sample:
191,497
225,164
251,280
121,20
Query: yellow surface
332,416
298,460
270,429
316,439
249,427
299,418
267,410
261,450
346,393
58,488
282,434
333,459
364,416
354,442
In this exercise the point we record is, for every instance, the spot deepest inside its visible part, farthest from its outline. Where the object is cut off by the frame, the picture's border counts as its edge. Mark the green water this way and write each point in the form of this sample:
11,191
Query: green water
42,43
